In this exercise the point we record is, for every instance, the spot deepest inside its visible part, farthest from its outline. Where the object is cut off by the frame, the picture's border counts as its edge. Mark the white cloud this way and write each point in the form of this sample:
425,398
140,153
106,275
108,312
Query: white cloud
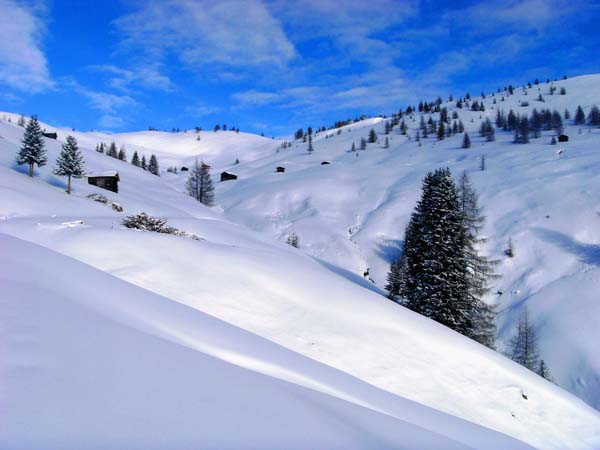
256,98
200,110
112,106
145,76
514,15
110,122
23,64
227,33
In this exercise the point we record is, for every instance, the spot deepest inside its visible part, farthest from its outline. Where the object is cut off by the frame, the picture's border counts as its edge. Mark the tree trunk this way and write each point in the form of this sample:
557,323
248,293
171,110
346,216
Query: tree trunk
69,185
31,170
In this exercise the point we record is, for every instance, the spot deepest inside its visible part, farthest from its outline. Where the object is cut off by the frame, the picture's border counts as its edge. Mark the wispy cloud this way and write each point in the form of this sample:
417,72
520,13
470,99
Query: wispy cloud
23,63
227,33
112,106
200,110
148,77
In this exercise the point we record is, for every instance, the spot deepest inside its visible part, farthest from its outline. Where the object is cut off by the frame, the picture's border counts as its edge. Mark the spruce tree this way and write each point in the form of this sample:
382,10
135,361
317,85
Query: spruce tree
32,150
143,164
396,280
372,136
199,184
310,145
135,159
122,155
466,143
112,150
480,270
363,144
153,166
436,280
523,347
544,372
69,162
594,116
579,116
557,123
522,131
441,132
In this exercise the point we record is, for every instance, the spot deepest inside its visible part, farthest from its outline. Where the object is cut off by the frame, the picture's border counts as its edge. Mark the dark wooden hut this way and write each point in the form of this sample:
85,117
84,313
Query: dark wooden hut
225,176
280,169
50,135
108,180
563,138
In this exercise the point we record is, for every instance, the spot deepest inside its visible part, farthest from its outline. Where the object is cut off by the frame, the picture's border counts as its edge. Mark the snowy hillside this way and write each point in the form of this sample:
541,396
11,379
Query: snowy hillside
273,290
352,213
121,367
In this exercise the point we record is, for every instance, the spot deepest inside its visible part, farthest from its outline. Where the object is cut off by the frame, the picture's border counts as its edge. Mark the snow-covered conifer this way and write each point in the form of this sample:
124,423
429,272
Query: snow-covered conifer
69,162
153,166
466,143
32,150
135,159
199,184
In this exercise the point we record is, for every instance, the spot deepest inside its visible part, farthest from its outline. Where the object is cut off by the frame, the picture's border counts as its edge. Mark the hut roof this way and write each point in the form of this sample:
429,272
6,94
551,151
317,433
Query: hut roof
106,173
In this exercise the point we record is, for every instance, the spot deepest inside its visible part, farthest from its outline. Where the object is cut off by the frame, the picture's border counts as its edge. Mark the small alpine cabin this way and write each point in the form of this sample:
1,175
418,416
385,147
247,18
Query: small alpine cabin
563,138
280,169
50,135
108,180
226,176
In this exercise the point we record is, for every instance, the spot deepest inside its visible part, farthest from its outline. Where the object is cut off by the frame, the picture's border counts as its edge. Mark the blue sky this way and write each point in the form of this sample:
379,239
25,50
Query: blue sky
275,65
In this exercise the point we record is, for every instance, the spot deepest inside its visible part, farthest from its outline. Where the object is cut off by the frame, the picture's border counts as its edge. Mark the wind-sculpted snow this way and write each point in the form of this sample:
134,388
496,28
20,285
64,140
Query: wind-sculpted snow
89,361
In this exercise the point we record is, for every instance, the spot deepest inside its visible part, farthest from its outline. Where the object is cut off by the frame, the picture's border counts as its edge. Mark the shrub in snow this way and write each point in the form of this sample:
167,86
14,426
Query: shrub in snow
144,222
510,251
103,199
293,240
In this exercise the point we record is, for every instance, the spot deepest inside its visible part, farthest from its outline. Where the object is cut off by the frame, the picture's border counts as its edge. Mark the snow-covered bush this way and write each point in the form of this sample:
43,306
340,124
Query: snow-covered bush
103,199
144,222
292,240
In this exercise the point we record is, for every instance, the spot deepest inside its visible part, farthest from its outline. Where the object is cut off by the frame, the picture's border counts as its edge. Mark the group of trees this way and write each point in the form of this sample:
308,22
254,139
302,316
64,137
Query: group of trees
593,116
440,273
111,150
69,163
218,127
524,127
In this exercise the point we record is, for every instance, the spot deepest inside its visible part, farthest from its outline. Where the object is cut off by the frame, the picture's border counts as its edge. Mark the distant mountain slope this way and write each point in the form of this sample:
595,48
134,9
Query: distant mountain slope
284,295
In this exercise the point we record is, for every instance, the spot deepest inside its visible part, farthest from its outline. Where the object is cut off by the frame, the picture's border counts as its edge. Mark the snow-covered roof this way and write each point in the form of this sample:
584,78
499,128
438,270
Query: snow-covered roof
106,173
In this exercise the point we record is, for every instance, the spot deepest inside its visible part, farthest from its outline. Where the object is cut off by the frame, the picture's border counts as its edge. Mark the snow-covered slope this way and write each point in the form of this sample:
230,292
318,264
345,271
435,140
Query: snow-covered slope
352,212
284,295
103,361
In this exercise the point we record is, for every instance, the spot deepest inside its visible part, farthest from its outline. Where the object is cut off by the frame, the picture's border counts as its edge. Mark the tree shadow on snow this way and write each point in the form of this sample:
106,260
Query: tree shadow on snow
586,253
350,276
389,249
